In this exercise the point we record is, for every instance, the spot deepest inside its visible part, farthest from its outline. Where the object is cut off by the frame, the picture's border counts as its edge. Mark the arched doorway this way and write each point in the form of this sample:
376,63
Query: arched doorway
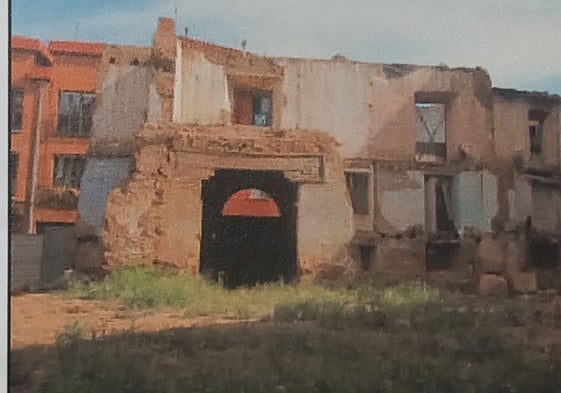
248,227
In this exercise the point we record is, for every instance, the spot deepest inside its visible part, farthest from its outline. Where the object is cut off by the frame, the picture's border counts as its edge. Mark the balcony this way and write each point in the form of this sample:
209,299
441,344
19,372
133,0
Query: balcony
57,198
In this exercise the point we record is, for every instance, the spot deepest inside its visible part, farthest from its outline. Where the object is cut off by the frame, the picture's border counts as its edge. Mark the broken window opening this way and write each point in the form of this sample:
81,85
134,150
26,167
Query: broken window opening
251,203
430,132
75,114
536,119
439,256
16,110
438,204
543,254
358,186
47,226
366,256
68,170
253,107
13,172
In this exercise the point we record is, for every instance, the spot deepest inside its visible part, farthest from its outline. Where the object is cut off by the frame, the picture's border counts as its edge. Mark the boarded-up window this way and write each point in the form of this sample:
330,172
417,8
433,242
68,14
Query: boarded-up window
68,170
75,114
431,132
253,107
358,186
13,172
16,109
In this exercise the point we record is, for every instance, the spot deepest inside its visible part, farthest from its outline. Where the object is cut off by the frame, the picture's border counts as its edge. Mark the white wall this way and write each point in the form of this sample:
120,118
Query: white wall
201,91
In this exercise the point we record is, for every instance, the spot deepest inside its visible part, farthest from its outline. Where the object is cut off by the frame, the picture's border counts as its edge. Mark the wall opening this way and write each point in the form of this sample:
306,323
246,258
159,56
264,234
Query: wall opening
366,257
253,107
47,226
358,185
16,109
248,227
543,254
536,118
13,172
430,132
439,214
439,256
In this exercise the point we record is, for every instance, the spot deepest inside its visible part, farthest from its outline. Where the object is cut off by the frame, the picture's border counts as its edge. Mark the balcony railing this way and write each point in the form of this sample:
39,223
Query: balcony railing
57,198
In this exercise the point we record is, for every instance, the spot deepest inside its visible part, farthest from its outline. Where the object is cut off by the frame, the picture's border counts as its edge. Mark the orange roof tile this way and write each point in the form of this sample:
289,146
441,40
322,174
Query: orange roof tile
30,44
77,47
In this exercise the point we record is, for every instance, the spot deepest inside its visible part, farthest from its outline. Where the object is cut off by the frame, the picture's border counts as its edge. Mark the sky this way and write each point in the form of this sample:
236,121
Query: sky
517,41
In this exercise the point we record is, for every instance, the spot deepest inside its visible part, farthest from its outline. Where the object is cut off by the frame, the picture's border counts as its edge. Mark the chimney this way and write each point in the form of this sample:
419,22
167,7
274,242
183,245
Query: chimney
163,44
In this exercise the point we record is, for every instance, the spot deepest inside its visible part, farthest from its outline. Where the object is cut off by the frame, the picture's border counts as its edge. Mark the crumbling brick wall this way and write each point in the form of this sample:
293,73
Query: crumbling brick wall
156,217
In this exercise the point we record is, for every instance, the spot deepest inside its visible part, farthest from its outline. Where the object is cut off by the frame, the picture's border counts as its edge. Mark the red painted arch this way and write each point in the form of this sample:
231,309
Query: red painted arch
251,203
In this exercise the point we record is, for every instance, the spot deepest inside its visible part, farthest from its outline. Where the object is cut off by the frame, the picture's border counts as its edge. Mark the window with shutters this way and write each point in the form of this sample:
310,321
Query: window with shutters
68,170
75,113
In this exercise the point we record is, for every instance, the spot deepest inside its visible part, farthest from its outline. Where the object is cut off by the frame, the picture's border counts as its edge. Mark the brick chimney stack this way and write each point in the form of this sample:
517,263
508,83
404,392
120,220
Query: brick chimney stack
164,39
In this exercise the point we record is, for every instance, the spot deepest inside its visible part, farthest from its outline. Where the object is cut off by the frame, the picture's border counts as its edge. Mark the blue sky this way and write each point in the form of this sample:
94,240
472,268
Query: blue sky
518,41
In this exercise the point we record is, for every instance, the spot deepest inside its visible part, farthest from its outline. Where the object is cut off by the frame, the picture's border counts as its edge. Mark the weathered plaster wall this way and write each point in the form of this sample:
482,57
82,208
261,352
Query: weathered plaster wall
400,200
546,208
157,215
121,109
330,95
204,90
370,108
205,77
474,199
511,131
101,176
400,258
325,224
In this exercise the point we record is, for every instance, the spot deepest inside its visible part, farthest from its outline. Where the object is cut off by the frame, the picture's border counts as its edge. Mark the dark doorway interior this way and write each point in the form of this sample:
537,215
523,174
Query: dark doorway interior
543,254
251,248
439,256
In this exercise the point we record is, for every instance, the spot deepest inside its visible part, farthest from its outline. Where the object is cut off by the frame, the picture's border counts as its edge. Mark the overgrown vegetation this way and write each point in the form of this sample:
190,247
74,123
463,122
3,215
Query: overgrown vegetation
160,288
404,338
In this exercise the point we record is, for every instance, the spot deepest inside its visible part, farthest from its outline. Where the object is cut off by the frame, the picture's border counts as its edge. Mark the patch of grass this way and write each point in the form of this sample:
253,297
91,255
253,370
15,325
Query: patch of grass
410,305
141,287
402,338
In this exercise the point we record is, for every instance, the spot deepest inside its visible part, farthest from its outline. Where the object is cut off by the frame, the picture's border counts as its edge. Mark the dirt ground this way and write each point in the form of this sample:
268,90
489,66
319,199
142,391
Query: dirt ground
219,351
37,319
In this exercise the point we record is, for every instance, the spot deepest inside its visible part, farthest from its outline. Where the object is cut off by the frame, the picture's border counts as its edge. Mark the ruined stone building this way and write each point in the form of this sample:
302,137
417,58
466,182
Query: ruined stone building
255,168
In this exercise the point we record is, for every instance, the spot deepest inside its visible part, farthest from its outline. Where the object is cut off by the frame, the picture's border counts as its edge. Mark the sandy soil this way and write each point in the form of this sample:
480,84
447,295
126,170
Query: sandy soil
37,319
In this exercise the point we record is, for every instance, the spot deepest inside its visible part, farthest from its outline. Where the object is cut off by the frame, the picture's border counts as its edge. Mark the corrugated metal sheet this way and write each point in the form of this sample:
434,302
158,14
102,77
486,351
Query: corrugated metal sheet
25,260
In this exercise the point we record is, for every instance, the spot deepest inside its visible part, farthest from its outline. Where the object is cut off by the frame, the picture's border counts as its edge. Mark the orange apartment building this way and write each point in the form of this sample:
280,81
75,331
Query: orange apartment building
52,94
